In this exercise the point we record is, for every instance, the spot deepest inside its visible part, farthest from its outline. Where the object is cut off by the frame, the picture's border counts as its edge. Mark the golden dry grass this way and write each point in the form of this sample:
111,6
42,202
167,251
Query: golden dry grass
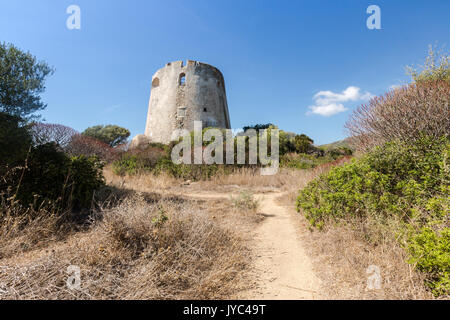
342,258
242,179
144,182
25,229
168,249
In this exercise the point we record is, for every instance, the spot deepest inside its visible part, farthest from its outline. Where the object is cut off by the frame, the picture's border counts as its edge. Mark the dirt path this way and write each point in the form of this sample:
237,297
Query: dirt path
282,269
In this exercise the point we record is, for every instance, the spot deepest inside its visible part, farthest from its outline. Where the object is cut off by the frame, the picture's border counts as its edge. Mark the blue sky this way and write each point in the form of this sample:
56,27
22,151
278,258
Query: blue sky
282,60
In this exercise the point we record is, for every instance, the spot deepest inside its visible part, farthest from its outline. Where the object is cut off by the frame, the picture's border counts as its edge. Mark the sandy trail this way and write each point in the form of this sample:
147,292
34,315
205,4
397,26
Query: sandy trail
282,269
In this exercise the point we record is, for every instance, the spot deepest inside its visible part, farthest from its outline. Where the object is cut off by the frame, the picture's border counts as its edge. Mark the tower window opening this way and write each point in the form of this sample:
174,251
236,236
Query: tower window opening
205,110
155,83
182,81
181,112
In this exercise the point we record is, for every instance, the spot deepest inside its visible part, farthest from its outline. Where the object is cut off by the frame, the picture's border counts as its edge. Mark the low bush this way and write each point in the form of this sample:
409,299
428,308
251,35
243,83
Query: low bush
392,179
335,153
430,252
15,141
408,183
156,159
49,175
402,114
304,161
128,164
193,172
80,145
406,113
245,201
137,161
84,179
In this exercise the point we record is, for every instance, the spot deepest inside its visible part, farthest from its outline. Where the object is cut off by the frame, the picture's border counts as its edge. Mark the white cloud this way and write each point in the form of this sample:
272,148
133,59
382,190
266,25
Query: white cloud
328,110
328,103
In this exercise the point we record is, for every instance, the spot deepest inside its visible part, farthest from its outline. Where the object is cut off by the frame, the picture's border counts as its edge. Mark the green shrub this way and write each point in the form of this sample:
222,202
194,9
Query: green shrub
393,179
405,182
303,161
245,201
134,164
50,175
430,252
295,161
128,164
44,176
85,177
156,159
15,141
137,161
193,172
335,153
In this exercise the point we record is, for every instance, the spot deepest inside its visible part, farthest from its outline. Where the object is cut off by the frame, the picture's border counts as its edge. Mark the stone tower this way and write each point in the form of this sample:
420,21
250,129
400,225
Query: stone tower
182,94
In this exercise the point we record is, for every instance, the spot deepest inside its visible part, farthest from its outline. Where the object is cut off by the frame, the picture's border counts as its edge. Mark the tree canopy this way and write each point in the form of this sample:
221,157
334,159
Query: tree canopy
435,68
259,127
49,132
112,135
15,140
22,80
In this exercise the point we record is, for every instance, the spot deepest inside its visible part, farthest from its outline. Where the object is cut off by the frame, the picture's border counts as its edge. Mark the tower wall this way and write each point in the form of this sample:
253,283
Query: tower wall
182,94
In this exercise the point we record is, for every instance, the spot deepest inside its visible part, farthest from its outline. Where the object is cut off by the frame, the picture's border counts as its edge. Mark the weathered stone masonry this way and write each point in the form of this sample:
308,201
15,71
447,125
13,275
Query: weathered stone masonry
182,94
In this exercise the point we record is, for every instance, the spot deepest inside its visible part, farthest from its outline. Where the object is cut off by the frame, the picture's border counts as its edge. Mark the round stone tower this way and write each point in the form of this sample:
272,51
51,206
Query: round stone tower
182,94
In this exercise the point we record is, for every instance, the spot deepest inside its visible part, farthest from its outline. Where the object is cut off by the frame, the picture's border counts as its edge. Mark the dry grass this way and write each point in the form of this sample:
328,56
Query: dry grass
241,179
137,250
342,258
251,178
144,182
25,229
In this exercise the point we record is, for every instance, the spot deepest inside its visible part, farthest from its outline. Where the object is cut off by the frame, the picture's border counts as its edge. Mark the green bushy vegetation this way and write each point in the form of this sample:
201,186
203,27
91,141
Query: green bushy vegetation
392,179
296,151
85,178
303,161
189,171
310,161
130,164
49,175
133,164
402,181
429,250
406,183
156,159
15,141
